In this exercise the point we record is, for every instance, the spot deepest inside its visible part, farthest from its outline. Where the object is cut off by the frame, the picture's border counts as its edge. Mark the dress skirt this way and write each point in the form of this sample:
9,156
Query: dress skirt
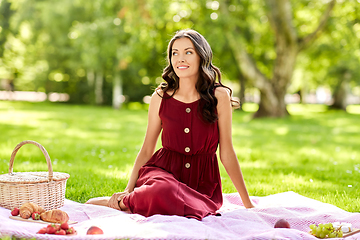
181,178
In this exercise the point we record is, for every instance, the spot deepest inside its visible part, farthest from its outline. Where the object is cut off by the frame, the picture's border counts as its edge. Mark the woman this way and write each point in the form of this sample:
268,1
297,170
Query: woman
194,113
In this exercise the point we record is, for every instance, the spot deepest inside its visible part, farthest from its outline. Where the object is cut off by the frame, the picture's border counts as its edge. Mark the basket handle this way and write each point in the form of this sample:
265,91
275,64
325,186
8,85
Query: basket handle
47,157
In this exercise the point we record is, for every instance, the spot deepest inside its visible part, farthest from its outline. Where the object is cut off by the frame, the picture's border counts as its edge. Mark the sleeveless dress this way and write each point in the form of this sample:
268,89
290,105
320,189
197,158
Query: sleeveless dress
181,178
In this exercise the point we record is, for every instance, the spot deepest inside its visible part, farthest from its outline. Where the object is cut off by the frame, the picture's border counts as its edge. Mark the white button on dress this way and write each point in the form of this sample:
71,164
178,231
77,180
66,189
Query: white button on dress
188,110
187,149
187,165
186,130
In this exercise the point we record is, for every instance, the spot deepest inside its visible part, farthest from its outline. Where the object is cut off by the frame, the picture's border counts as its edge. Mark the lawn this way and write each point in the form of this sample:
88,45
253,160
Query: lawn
315,152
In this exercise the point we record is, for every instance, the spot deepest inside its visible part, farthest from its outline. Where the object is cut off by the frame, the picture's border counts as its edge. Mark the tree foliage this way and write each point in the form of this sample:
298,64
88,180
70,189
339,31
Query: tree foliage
333,61
96,50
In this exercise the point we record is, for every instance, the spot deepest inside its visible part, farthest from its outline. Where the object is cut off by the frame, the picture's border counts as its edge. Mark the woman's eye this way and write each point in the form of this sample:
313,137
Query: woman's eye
174,53
188,52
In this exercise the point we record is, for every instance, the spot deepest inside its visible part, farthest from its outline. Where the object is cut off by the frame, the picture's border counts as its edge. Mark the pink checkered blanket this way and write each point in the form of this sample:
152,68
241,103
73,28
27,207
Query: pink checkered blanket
235,221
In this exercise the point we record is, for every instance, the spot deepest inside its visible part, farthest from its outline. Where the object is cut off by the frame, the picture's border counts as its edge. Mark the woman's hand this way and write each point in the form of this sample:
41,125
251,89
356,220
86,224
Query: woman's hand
116,198
251,205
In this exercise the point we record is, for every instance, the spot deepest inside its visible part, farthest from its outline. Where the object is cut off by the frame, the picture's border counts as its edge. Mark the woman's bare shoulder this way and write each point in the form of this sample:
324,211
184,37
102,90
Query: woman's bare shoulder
222,93
155,101
158,92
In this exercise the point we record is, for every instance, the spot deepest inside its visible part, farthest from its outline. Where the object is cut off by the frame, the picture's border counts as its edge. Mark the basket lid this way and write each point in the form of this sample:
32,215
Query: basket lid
32,177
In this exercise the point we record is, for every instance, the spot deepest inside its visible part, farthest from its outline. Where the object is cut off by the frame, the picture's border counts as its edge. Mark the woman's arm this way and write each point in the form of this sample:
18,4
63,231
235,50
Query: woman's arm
151,137
227,153
147,150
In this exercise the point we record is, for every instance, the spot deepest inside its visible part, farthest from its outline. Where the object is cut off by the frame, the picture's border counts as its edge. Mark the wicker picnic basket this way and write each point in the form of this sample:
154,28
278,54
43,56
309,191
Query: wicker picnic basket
47,189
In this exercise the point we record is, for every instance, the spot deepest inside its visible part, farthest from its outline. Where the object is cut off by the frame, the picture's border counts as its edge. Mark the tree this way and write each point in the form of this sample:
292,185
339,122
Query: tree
334,59
97,50
5,14
287,43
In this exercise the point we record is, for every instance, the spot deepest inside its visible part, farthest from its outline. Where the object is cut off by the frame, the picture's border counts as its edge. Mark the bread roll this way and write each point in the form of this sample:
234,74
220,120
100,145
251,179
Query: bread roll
55,216
28,208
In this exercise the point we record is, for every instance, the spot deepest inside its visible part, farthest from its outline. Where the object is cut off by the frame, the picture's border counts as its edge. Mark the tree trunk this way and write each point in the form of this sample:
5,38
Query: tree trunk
99,87
90,75
6,13
302,94
272,105
117,91
287,44
341,92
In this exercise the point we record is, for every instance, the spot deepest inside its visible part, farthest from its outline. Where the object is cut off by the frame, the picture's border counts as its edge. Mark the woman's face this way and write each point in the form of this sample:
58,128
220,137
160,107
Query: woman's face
184,59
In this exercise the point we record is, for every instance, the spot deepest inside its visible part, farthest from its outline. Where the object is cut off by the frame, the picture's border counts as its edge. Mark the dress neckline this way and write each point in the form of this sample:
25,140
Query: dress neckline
181,101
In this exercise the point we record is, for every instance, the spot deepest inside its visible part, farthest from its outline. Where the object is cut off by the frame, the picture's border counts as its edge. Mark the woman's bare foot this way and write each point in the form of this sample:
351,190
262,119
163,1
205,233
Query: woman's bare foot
101,201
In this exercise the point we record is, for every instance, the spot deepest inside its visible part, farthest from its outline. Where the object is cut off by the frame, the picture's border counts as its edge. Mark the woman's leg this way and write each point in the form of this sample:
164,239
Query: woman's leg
158,192
101,201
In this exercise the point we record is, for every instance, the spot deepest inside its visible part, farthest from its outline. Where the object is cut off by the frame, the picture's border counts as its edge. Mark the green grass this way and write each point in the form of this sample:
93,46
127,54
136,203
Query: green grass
315,152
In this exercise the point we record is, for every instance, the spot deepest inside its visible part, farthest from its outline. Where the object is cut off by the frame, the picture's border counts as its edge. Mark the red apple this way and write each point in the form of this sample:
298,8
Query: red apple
94,230
282,223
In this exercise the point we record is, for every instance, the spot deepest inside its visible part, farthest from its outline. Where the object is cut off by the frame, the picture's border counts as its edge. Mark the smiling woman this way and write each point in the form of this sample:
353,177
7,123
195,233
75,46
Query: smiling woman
193,110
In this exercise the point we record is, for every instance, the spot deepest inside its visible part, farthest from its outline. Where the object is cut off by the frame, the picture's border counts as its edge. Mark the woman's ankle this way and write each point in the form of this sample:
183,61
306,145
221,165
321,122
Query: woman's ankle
122,206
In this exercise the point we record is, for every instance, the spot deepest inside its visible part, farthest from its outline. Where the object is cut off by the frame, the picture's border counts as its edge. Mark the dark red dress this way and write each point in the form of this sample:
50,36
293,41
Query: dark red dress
182,178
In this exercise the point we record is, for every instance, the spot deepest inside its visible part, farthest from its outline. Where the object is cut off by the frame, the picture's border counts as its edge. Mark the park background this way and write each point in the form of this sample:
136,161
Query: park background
76,77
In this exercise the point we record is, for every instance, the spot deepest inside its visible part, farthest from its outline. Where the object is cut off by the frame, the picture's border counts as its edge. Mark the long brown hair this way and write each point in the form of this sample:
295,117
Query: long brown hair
209,73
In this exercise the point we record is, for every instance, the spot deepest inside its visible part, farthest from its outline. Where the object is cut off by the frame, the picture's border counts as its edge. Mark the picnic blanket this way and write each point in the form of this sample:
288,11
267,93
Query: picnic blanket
235,221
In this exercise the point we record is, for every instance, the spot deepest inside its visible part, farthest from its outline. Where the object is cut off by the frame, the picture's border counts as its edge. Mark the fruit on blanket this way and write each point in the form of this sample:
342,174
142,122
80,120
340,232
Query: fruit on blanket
64,226
35,215
15,212
51,229
94,230
42,231
60,232
70,231
57,229
55,216
326,230
282,223
28,208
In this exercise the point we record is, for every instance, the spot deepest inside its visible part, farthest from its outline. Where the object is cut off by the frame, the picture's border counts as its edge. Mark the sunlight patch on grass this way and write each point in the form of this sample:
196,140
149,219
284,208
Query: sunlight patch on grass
312,152
255,165
281,130
250,107
242,131
301,109
114,172
79,133
22,118
353,109
292,179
